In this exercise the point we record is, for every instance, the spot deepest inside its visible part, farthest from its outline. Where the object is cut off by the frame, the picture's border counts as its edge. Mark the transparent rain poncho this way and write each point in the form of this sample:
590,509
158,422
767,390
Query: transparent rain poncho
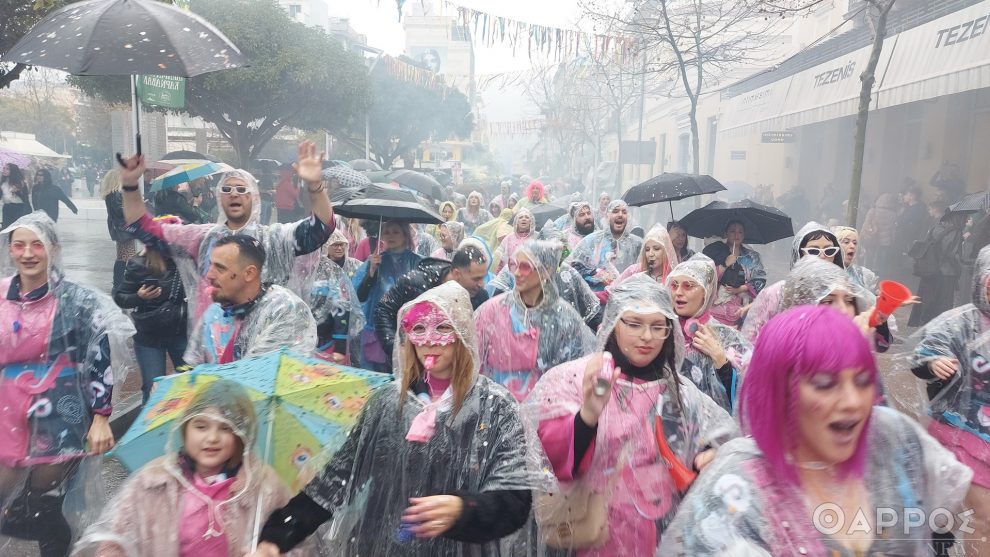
960,406
276,319
456,232
573,237
511,243
865,278
291,250
767,302
472,220
165,505
658,235
570,285
518,343
82,338
623,461
698,366
600,257
740,507
335,306
480,449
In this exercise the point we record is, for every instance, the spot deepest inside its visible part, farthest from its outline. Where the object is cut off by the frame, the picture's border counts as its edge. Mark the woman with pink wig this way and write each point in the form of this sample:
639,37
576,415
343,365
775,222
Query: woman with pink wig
823,471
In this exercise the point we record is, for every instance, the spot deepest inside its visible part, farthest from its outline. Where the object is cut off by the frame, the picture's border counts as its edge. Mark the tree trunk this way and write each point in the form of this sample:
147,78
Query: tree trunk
868,78
695,140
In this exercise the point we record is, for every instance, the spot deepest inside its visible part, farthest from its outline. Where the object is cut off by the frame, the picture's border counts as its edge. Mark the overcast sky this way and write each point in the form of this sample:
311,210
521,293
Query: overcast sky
379,21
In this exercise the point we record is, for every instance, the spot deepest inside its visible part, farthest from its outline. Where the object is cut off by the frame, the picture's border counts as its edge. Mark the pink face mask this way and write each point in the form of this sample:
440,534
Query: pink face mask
426,325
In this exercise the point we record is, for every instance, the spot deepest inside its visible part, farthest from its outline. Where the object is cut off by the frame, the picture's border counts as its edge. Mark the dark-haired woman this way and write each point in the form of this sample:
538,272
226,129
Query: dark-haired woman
45,195
14,193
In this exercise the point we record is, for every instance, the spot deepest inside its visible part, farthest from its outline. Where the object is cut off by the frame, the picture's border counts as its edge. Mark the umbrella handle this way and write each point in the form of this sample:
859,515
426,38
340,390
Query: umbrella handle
261,496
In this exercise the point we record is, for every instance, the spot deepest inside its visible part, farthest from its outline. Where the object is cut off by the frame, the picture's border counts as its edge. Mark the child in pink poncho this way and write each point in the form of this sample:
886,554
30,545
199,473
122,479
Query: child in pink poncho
200,500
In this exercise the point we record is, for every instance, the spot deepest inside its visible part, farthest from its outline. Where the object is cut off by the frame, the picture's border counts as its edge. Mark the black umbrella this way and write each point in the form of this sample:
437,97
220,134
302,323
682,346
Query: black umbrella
972,203
670,187
377,202
544,212
126,37
762,224
364,164
422,183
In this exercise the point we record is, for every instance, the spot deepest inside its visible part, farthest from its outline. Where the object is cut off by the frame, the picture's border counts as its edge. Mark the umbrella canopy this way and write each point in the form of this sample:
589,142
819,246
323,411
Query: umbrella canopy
380,203
188,156
546,211
8,156
972,203
348,177
763,224
187,173
670,187
422,183
305,407
364,164
126,37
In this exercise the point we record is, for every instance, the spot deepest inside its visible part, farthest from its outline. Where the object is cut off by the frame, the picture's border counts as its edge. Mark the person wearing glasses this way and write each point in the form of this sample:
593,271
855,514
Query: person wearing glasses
741,275
240,202
812,240
529,329
716,353
632,439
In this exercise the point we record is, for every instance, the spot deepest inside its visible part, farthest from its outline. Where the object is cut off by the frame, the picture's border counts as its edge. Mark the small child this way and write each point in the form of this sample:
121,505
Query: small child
200,499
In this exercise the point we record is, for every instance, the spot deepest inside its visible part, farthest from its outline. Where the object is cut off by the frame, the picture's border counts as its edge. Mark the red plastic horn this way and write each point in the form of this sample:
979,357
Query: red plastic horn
892,295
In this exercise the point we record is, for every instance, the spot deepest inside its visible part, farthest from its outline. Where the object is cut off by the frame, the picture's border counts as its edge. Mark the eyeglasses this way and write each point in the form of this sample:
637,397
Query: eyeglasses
524,267
817,252
686,286
658,331
241,190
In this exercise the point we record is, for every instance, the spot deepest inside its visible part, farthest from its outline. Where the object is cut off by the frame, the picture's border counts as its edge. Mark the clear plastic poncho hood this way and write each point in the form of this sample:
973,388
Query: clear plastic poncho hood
623,462
131,526
807,230
483,447
812,279
701,269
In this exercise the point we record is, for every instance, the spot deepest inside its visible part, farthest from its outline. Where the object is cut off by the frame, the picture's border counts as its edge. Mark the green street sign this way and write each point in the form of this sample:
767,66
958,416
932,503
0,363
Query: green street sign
162,90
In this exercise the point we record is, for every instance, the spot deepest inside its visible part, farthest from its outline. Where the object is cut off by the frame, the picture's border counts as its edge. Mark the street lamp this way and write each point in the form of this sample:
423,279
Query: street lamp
367,114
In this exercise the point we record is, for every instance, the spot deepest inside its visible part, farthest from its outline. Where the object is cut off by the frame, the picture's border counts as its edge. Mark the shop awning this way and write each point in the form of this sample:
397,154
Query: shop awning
26,144
944,56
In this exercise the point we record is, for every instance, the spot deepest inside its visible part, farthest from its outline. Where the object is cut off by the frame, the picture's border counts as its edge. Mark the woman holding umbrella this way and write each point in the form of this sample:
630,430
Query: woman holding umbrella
679,237
439,463
474,213
375,277
741,274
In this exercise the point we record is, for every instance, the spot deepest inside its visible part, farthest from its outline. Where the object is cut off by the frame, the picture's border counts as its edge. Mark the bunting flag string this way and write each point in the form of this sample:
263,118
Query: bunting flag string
404,71
516,127
560,44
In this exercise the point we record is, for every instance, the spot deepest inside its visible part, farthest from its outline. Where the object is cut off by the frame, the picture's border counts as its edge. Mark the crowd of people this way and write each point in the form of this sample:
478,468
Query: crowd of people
579,386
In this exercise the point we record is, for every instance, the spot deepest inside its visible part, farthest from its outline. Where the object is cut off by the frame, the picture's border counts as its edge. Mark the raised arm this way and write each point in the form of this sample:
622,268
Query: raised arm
130,175
309,167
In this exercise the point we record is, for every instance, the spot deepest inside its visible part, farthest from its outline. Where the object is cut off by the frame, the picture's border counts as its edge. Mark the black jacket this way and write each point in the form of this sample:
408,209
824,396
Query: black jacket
46,198
154,322
115,217
172,202
428,273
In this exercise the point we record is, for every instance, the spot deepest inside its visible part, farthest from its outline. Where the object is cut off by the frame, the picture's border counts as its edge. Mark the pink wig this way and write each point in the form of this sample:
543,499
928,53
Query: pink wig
537,186
795,344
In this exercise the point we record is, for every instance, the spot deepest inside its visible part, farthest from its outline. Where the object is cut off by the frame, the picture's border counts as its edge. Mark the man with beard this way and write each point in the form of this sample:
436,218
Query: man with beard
582,225
247,317
601,254
291,248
